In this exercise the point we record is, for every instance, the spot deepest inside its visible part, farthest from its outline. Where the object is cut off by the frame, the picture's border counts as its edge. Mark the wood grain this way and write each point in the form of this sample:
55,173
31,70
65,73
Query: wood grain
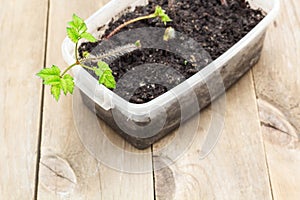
277,80
236,168
22,38
72,172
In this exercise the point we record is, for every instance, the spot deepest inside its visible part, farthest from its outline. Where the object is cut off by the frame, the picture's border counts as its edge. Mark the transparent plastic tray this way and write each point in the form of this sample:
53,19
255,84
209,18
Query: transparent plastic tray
143,124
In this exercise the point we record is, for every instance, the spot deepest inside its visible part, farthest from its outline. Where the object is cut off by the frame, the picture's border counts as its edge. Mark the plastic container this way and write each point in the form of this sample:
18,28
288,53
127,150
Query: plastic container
144,124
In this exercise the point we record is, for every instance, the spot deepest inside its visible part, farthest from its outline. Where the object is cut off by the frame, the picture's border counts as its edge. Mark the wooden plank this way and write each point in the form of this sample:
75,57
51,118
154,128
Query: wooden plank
22,38
235,169
67,169
277,80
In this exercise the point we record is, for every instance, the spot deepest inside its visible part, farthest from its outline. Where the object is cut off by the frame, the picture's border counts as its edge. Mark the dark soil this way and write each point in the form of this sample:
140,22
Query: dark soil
214,26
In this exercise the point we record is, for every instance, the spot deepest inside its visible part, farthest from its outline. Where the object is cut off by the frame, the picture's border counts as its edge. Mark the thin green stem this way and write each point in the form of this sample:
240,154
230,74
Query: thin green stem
76,52
70,67
87,67
74,64
130,22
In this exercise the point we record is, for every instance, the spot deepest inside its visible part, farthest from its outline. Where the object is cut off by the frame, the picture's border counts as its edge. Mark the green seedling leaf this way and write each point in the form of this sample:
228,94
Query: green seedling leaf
67,84
103,66
77,20
105,75
165,19
50,76
73,34
52,80
138,44
79,24
159,12
107,79
55,91
86,54
77,30
98,71
81,29
89,37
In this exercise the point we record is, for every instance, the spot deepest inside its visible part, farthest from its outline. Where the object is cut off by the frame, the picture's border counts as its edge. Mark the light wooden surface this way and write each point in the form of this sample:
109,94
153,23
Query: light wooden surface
236,168
75,174
22,38
277,81
42,155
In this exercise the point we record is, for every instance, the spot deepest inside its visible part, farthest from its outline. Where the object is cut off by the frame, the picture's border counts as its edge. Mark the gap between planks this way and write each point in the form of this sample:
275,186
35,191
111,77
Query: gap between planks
260,130
39,140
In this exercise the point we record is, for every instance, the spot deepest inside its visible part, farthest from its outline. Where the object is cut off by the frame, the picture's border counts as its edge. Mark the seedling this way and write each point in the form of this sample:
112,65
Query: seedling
61,81
158,13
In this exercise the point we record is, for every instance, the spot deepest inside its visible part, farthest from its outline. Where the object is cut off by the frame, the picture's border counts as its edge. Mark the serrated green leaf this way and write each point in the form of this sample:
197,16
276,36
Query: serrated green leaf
67,84
73,34
98,71
89,37
50,76
105,75
47,72
159,12
72,25
52,80
77,21
69,77
78,24
82,29
165,19
107,79
55,91
103,66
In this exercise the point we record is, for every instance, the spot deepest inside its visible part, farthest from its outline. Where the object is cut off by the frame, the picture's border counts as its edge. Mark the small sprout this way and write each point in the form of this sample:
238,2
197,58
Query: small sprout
85,54
169,34
159,12
138,44
186,62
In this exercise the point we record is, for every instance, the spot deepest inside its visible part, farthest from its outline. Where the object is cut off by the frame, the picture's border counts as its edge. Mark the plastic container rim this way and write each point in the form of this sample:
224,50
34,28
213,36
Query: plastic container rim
142,109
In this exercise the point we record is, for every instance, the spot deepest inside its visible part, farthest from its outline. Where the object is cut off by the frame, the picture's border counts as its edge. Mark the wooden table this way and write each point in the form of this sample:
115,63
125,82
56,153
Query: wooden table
42,157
